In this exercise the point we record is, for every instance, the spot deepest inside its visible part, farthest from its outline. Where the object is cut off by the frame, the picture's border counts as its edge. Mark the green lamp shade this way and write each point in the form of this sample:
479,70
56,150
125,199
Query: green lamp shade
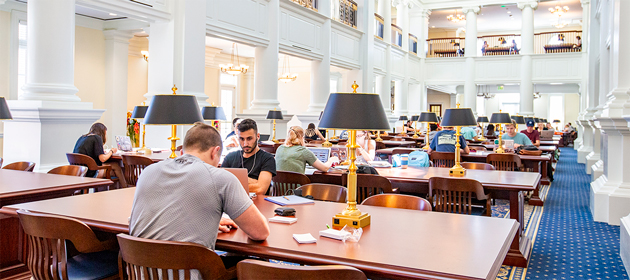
139,112
500,118
357,111
458,117
213,113
518,119
173,110
415,118
428,117
5,114
402,118
274,115
482,119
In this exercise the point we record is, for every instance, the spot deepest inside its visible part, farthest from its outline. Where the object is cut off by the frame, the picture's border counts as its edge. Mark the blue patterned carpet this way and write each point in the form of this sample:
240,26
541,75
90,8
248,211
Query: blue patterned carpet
569,244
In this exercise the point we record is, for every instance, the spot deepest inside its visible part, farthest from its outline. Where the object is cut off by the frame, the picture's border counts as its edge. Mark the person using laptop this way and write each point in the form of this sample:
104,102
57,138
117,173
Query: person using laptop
520,139
293,156
183,199
91,144
260,165
531,133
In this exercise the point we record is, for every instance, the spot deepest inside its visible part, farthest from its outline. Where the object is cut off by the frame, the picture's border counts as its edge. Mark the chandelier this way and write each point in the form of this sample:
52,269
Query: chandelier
231,68
559,11
559,24
286,75
485,93
536,93
456,18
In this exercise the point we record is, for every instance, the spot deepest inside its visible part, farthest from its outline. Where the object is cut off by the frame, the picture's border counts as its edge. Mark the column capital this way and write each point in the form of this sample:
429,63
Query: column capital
469,9
425,13
396,3
531,4
117,35
584,3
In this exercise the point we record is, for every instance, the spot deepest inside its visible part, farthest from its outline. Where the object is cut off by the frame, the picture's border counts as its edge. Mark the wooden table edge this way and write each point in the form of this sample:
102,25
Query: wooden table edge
108,227
77,186
504,252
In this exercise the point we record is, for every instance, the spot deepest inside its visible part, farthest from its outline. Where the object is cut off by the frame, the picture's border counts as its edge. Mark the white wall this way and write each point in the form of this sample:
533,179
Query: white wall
571,108
294,96
89,66
439,98
211,85
137,72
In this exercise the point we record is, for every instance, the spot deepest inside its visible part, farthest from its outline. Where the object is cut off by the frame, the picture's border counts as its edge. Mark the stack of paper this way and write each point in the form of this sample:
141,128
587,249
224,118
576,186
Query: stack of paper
283,220
333,233
304,238
289,200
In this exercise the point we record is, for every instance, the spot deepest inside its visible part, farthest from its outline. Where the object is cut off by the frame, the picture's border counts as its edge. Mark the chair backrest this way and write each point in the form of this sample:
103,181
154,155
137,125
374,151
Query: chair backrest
325,192
70,170
81,159
454,195
369,185
134,166
268,149
254,269
401,151
477,165
286,180
398,201
380,145
325,179
21,166
442,159
141,255
505,162
46,237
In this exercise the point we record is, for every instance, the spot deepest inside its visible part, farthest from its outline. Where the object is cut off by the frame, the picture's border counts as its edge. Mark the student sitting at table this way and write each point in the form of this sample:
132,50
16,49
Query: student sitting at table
469,133
260,165
367,147
549,127
433,129
445,140
531,133
293,156
313,133
408,127
490,130
520,139
91,144
183,199
231,141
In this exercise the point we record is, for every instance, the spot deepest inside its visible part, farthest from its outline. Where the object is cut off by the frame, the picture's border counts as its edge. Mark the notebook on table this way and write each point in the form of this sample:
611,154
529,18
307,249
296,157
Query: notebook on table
289,200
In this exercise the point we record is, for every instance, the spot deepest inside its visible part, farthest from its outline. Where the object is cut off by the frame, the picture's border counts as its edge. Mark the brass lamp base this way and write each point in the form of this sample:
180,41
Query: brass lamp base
500,150
327,144
457,171
145,151
341,220
415,136
275,141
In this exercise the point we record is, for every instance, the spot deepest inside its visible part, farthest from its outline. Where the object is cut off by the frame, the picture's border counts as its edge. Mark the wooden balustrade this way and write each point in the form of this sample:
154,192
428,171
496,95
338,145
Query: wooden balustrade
379,29
557,42
396,35
508,44
445,47
347,12
311,4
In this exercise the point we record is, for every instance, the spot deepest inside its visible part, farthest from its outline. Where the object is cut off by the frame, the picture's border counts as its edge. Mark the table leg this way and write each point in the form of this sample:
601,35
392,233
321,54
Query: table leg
519,252
535,200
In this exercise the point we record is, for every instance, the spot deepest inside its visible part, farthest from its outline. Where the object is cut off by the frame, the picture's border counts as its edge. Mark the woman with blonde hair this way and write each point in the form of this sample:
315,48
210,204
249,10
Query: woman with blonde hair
293,156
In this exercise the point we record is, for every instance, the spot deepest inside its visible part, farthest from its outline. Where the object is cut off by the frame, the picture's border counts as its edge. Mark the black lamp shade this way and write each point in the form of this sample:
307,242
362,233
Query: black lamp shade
428,117
500,118
402,118
545,120
320,115
482,119
5,114
459,117
536,120
173,109
274,115
213,113
139,112
356,111
415,118
556,121
518,119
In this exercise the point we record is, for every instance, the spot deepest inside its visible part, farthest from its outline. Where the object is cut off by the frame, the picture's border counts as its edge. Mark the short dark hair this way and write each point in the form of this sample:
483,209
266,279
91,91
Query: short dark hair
433,126
234,121
311,126
202,137
248,124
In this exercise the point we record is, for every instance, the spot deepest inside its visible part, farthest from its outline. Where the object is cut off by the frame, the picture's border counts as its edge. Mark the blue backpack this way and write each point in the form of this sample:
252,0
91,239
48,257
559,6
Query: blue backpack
419,159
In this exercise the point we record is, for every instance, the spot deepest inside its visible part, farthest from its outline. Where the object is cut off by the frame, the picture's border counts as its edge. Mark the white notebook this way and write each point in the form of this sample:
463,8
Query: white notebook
283,220
304,238
333,233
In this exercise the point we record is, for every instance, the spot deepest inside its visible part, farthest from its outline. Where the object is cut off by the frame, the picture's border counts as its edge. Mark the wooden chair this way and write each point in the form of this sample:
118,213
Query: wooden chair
70,170
369,185
47,238
133,167
148,256
505,162
325,179
477,165
457,195
254,269
402,151
398,201
325,192
83,160
442,159
286,180
21,166
380,146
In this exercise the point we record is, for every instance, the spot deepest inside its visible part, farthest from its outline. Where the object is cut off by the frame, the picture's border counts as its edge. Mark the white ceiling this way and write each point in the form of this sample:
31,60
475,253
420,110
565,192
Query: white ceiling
96,14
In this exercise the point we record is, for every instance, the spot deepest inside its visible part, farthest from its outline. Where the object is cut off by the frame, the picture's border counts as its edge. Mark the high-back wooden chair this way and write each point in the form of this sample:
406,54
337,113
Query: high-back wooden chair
402,201
83,160
505,162
21,166
254,270
325,192
149,257
286,180
442,159
70,170
369,185
325,179
477,165
133,167
458,195
47,259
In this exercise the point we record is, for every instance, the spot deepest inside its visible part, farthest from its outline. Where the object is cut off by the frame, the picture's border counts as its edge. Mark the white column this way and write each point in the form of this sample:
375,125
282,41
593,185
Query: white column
527,49
366,21
116,65
583,127
266,66
591,149
385,10
424,34
320,69
402,87
470,88
402,20
414,99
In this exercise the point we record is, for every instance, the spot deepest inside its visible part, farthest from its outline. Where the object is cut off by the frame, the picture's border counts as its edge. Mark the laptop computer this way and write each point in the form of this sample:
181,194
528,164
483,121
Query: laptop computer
241,174
123,143
546,135
263,137
321,153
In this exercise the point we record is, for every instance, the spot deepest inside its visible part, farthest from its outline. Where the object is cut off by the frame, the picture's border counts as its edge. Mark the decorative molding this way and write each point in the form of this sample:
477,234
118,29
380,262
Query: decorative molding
474,9
118,36
129,9
532,4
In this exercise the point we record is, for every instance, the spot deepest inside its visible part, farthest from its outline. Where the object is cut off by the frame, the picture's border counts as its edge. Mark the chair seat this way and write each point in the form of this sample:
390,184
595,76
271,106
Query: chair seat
88,266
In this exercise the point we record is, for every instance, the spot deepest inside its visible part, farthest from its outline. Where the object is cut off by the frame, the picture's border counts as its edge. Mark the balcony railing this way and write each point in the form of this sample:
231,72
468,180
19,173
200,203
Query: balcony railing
379,21
508,44
445,47
311,4
347,12
558,42
396,35
413,44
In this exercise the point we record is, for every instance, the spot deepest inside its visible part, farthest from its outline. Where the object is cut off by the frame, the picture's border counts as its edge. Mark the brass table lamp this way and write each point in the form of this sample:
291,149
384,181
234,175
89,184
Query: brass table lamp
498,119
214,114
326,143
414,119
556,121
274,115
403,132
172,109
347,111
458,117
138,113
482,120
428,118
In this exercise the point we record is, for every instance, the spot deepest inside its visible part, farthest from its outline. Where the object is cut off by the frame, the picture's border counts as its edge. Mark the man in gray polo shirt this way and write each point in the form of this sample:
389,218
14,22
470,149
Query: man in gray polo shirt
182,199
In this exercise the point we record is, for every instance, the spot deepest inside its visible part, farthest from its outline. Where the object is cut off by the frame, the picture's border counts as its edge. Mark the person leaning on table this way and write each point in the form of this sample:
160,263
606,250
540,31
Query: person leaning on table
445,140
520,139
293,156
91,144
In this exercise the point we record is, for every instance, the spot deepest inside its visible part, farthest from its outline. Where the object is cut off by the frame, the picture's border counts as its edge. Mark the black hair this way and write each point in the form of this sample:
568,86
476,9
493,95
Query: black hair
248,124
311,126
234,121
433,126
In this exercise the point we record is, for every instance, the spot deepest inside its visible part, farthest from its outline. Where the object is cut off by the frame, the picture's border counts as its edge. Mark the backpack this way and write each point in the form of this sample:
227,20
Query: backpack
419,159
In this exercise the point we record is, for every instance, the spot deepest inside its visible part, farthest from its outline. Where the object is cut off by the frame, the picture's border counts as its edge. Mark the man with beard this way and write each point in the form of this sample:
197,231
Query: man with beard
260,165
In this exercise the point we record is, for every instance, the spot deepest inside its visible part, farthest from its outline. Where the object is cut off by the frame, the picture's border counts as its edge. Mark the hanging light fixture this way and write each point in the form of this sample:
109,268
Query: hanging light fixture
456,18
558,10
536,93
286,75
560,24
234,69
